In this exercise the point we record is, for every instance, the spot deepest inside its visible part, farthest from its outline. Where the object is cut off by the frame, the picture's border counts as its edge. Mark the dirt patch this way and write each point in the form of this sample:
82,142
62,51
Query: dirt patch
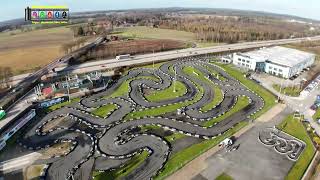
56,150
115,48
52,124
33,172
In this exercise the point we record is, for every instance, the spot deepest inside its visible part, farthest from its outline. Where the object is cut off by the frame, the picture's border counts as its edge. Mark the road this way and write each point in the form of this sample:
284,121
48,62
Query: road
161,56
301,104
26,82
16,109
106,145
30,80
109,142
168,55
18,163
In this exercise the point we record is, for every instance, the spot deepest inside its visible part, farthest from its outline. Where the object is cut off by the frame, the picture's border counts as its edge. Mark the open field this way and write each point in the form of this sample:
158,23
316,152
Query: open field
27,51
136,46
295,128
309,46
155,33
143,32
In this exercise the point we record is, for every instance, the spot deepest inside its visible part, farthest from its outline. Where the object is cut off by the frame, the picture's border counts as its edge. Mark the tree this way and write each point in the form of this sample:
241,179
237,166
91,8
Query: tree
80,31
5,76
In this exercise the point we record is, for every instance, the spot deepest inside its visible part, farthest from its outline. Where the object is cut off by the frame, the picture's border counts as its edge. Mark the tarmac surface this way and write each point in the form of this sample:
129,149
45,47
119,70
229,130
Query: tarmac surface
102,144
255,159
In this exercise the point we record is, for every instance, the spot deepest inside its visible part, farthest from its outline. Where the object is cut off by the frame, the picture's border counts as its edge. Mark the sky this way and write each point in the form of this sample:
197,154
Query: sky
12,9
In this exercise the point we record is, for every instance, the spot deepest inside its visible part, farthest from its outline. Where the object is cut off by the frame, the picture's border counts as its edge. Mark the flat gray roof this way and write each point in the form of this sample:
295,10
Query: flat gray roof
280,55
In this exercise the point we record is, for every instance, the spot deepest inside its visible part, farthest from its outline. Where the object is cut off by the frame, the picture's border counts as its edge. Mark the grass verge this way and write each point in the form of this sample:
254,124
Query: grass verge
123,171
57,106
104,110
181,158
224,176
241,103
289,91
295,128
217,92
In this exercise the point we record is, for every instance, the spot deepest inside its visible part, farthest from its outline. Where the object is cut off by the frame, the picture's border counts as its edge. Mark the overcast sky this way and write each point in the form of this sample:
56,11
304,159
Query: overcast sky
12,9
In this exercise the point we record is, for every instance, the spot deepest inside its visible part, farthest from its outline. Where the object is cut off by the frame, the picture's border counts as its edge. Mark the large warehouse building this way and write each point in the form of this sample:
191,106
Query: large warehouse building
278,61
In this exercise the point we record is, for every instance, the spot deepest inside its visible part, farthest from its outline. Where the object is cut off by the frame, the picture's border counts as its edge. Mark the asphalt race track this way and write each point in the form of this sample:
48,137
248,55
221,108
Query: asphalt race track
103,144
283,143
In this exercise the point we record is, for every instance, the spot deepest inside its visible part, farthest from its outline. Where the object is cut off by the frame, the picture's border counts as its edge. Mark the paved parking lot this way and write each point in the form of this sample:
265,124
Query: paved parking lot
252,160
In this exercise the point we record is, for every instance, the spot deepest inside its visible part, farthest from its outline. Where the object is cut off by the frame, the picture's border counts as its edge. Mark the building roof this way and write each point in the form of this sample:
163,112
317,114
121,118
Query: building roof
280,55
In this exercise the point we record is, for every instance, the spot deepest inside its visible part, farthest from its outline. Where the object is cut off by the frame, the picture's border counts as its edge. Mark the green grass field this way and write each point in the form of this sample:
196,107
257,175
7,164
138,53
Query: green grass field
166,109
295,128
289,91
169,93
241,103
57,106
104,110
123,171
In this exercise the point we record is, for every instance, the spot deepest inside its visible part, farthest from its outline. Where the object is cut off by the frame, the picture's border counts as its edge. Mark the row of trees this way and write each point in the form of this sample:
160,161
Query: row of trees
234,29
112,49
70,46
5,76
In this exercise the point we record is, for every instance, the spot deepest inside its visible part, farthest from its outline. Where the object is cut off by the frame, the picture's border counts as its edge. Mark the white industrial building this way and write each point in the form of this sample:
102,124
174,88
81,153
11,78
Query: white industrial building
278,61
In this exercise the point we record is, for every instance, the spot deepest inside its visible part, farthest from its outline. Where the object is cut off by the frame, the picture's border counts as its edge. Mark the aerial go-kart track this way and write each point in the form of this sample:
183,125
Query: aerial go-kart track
186,96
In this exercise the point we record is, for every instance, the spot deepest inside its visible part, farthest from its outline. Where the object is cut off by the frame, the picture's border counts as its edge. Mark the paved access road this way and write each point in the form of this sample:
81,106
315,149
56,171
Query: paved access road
164,56
103,144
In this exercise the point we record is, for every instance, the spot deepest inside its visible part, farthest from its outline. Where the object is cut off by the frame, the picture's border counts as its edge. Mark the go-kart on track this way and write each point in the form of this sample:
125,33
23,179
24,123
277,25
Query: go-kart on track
102,144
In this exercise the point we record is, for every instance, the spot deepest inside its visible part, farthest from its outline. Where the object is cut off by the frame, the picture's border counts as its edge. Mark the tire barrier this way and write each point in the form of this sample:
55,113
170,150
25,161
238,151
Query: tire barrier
283,143
106,143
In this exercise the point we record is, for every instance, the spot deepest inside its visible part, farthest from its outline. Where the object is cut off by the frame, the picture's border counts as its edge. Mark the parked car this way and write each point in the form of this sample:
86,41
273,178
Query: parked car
314,107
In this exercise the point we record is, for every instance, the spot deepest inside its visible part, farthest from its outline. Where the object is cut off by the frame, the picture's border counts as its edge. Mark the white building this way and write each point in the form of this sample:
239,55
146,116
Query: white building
226,59
278,61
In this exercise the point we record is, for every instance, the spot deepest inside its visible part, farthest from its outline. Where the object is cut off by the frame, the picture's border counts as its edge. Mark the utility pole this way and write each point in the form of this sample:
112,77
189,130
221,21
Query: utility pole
68,88
175,77
284,91
280,90
153,59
